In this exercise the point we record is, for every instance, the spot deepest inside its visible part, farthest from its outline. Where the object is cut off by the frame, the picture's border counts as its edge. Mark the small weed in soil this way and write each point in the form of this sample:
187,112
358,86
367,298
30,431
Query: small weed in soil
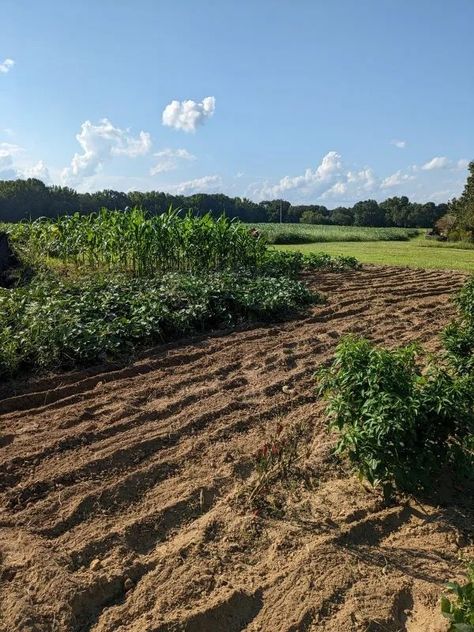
459,609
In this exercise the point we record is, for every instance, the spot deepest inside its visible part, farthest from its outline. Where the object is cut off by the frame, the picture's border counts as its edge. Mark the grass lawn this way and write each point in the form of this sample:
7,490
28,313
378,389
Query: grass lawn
413,253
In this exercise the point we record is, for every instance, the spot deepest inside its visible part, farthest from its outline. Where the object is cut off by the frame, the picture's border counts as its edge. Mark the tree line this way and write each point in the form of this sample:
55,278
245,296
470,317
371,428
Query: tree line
458,223
31,198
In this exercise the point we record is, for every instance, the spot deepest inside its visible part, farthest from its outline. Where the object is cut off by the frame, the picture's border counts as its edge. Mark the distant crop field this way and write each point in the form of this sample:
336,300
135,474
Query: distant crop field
415,253
315,233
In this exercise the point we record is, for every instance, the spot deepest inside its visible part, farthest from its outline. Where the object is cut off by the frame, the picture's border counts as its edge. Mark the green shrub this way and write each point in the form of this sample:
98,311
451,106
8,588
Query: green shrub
460,609
458,337
398,426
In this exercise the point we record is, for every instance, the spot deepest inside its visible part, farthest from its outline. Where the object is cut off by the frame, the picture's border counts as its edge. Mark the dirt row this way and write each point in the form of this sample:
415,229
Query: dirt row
124,491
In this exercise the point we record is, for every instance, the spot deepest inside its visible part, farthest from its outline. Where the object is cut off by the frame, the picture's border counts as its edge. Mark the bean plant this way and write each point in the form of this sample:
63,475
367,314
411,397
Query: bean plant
53,323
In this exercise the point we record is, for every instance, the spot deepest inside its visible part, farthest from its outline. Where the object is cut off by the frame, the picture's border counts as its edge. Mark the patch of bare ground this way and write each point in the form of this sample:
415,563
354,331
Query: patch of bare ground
122,490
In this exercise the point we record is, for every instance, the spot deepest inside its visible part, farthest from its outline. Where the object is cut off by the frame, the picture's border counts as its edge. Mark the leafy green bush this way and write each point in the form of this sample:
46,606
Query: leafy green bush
460,610
398,426
51,323
458,337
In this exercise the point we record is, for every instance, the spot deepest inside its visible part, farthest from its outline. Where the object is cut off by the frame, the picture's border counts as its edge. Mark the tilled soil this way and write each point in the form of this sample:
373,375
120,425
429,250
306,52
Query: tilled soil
124,492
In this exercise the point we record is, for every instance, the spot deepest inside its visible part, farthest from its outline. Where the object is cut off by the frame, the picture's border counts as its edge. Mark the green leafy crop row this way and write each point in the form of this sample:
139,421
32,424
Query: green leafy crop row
309,234
50,323
134,242
281,262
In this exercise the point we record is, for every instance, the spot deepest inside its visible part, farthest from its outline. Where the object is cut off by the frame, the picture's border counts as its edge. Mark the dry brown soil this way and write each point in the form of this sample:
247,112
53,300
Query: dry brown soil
124,491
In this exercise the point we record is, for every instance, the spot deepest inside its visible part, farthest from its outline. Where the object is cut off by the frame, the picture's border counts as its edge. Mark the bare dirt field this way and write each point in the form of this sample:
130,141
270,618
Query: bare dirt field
124,491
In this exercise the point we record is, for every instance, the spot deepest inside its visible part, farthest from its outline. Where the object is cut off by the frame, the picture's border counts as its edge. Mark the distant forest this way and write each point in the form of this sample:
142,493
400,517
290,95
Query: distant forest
21,199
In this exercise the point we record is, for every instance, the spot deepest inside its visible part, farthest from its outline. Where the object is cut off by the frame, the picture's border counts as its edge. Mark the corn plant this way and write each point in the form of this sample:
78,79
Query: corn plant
134,242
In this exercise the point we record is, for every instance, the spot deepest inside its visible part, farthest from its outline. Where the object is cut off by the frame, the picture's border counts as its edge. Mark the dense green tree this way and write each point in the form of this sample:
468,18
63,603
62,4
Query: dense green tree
463,207
425,215
396,210
276,208
314,217
342,216
368,213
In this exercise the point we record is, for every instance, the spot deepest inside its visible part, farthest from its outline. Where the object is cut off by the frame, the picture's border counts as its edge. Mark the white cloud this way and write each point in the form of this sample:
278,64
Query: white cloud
395,179
6,65
329,180
328,169
340,188
199,185
38,170
333,183
169,159
100,143
401,144
8,170
438,162
187,115
13,164
353,185
9,149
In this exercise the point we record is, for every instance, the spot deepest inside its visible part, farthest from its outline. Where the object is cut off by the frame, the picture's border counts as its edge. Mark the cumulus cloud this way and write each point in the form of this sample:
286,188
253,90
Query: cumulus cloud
328,180
401,144
188,115
100,143
438,162
199,185
168,159
38,170
395,179
6,65
312,180
8,151
14,164
353,184
333,183
7,170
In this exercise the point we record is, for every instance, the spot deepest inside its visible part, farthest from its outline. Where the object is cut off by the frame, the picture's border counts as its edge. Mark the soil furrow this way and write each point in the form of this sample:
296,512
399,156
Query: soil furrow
124,502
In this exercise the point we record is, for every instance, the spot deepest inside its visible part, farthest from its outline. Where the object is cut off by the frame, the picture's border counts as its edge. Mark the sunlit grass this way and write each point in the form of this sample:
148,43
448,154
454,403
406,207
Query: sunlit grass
414,253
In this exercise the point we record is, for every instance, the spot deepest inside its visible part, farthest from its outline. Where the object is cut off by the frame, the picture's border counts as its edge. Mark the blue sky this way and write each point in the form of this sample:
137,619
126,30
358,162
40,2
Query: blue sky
310,100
